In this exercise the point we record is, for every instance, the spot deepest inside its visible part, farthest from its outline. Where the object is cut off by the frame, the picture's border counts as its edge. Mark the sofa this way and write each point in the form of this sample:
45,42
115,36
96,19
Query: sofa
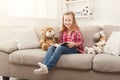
20,63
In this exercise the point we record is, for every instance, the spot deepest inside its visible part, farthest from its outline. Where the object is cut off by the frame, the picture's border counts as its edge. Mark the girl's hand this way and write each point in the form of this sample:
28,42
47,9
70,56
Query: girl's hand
72,44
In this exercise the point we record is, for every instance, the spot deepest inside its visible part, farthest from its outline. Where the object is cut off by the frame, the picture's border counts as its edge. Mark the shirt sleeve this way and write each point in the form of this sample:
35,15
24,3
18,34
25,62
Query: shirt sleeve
80,41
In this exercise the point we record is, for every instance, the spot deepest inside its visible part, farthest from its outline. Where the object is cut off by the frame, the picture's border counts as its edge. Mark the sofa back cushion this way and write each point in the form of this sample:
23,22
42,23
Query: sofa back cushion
108,29
25,38
88,35
87,31
5,35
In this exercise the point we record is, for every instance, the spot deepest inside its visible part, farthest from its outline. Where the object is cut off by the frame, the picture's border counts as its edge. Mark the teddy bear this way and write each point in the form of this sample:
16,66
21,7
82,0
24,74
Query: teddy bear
47,38
100,39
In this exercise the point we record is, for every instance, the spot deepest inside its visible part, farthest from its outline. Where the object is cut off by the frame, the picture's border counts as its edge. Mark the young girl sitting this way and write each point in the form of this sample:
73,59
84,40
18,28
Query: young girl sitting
71,34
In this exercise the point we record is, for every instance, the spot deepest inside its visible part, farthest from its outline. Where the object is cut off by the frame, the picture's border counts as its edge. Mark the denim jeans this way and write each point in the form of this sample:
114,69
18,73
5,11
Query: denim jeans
53,55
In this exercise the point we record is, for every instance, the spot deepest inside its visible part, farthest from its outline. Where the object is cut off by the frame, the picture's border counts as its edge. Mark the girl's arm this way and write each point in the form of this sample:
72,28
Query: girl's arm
77,40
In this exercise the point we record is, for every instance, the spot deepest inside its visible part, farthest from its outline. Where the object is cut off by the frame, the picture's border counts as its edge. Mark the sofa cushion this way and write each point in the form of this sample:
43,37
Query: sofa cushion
108,29
26,38
76,61
88,33
33,56
106,63
27,57
113,44
8,46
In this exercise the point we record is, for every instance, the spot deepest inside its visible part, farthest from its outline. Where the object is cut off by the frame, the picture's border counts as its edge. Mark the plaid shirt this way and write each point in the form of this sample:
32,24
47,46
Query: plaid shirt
75,37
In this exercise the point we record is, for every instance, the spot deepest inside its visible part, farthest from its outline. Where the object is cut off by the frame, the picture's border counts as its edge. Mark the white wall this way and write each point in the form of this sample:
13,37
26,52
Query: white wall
105,12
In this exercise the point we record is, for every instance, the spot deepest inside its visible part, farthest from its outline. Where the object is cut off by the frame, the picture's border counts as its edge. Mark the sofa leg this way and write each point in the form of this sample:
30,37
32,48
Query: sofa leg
5,78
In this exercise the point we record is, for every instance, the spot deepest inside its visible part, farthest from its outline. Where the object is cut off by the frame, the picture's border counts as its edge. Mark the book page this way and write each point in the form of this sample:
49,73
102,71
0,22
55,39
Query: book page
62,44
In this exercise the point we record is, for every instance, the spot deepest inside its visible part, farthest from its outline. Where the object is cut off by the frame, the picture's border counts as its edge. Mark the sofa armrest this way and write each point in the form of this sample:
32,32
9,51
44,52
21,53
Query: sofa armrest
8,46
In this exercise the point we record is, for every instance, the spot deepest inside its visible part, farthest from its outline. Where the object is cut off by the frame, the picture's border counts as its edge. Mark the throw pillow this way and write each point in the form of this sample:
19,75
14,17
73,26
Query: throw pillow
26,38
113,44
8,46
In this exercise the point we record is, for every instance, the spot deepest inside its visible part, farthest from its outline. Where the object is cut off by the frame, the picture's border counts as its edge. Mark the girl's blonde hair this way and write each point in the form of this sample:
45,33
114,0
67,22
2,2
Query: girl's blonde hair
74,25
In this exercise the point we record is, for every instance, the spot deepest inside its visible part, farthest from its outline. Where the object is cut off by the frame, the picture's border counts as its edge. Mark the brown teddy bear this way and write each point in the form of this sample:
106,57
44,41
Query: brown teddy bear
47,37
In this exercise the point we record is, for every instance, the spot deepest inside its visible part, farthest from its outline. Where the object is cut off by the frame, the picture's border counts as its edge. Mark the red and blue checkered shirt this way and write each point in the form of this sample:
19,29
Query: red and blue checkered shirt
75,36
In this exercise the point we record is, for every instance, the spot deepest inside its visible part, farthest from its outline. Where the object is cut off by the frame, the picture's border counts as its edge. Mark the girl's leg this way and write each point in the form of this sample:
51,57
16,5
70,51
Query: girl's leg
49,53
52,59
57,53
43,68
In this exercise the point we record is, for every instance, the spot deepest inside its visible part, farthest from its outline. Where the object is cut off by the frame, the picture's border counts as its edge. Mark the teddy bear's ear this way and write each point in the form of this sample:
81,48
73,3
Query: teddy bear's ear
42,30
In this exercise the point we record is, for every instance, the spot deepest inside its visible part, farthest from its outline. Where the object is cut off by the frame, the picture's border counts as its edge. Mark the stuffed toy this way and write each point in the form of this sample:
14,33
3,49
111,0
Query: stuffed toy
89,50
47,37
100,41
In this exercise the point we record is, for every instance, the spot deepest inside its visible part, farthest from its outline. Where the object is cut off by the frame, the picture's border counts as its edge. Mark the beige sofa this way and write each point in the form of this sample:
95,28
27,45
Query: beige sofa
21,63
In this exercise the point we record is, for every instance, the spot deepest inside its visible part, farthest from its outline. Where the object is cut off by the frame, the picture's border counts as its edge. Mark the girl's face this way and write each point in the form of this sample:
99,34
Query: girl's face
68,21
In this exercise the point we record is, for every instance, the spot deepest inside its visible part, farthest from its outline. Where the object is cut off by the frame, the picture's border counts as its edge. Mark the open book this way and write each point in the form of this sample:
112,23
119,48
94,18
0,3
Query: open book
62,44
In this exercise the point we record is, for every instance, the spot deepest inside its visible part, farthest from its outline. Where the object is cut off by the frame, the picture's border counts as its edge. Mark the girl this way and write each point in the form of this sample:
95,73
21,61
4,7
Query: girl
69,33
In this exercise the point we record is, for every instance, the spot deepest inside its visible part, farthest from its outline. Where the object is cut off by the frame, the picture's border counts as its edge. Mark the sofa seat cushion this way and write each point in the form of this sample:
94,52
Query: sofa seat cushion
106,63
76,61
33,56
27,57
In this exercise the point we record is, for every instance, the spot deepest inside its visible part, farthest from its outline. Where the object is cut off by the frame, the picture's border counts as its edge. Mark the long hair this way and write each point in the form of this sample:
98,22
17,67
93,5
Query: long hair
74,25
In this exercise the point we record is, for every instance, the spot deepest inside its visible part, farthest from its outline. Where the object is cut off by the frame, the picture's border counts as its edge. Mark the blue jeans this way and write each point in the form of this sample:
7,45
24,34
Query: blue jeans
53,55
